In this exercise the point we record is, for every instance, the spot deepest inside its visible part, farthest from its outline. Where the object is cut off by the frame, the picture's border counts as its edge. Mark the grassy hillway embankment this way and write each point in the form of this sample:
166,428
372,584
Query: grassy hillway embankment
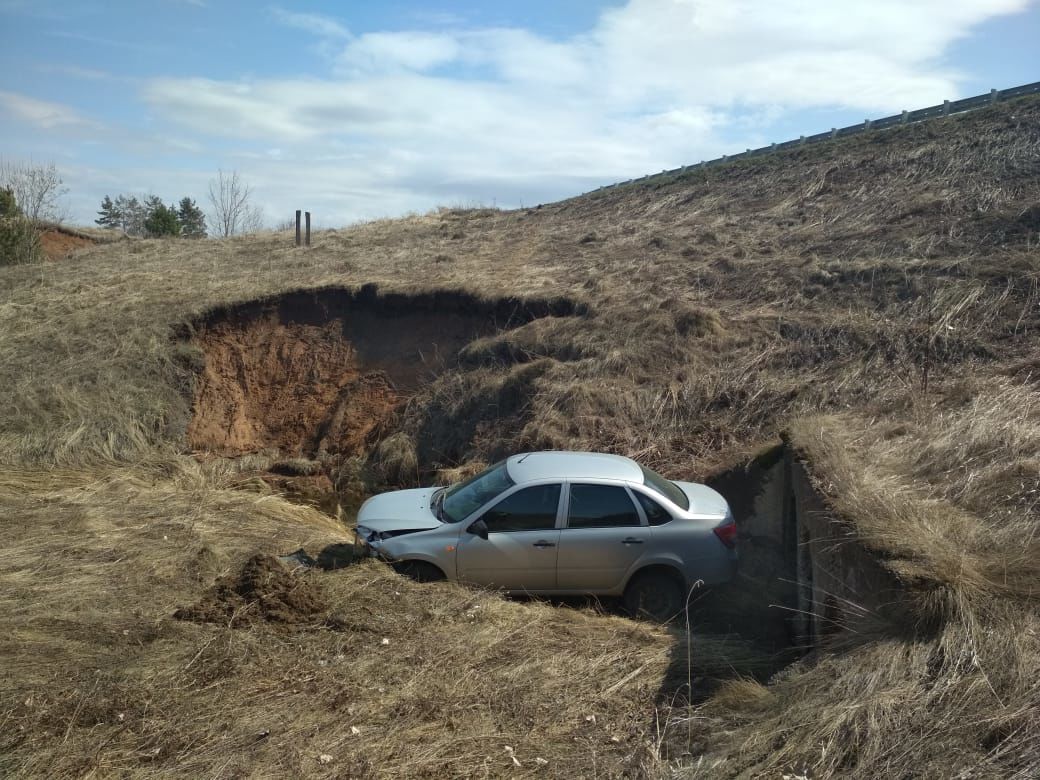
876,300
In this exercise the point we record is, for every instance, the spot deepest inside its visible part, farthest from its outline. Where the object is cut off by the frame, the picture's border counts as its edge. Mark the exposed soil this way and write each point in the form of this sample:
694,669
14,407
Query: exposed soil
318,373
265,590
58,245
291,386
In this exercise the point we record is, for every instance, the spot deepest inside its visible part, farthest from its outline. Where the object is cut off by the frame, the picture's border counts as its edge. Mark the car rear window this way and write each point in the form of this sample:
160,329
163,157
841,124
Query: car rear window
601,506
668,489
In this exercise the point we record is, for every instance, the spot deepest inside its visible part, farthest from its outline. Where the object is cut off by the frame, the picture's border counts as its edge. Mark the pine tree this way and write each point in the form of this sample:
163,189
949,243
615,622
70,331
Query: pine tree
131,215
8,204
191,218
109,216
161,220
19,240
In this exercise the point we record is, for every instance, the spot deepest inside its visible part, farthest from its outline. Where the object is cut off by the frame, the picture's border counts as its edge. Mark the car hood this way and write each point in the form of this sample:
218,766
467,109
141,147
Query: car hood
399,510
704,500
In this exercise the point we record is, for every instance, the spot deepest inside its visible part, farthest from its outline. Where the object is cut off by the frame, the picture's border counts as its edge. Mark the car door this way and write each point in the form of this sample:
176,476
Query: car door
602,538
520,551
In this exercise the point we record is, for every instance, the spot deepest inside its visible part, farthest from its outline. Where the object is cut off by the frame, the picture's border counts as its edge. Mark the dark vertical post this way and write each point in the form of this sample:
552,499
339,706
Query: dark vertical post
297,227
307,240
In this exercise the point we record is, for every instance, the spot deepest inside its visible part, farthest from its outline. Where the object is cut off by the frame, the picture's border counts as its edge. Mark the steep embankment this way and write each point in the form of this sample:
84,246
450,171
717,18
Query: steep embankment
890,279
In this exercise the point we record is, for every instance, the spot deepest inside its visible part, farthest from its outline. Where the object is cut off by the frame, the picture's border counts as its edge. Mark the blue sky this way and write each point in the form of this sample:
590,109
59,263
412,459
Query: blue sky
356,110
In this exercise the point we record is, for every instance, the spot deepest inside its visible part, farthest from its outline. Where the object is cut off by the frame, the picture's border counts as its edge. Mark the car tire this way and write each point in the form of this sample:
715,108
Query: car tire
654,595
420,571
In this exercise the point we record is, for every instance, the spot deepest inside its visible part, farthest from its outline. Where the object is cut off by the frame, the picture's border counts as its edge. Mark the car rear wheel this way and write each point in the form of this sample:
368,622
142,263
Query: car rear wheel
655,595
420,571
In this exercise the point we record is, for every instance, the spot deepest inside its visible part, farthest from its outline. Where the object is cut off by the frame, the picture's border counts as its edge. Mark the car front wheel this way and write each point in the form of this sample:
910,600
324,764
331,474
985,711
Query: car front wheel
655,595
420,571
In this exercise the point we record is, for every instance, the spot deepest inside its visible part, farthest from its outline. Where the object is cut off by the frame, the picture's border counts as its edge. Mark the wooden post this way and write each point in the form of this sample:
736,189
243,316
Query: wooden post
946,108
297,227
307,240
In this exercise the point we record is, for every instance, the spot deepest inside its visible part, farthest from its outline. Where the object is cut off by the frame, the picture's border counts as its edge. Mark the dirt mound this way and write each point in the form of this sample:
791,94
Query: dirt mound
265,590
57,244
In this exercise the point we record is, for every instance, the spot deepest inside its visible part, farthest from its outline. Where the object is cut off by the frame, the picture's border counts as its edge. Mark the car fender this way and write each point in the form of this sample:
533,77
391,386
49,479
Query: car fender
663,558
396,553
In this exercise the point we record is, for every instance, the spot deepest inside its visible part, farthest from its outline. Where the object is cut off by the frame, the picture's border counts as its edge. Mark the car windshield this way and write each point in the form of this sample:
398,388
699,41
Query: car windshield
669,490
461,500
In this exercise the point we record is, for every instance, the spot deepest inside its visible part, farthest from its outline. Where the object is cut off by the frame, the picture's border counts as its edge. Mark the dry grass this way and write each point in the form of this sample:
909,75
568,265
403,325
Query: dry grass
98,678
891,280
953,689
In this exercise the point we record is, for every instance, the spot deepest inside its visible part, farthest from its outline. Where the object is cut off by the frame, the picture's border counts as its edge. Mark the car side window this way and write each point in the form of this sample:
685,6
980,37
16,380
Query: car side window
530,509
600,506
655,513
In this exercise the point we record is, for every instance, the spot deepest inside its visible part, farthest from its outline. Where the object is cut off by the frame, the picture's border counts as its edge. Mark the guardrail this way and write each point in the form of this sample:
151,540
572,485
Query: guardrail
946,108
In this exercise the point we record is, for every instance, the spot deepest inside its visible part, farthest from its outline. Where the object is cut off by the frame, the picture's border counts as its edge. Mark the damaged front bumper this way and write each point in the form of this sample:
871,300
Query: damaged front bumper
366,545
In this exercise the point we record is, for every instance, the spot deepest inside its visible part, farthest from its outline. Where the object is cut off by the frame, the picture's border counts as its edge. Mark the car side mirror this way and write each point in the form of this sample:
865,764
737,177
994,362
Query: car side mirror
479,528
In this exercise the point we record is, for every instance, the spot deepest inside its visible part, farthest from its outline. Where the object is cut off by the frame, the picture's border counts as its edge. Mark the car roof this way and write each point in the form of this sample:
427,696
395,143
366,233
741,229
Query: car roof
531,466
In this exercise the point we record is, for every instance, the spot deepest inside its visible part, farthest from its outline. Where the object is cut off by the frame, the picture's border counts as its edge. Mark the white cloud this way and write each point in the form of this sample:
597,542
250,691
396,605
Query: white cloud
43,113
391,51
316,24
405,119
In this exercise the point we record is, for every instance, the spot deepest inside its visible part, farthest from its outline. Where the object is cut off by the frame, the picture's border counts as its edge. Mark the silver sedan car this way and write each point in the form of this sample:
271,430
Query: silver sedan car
560,523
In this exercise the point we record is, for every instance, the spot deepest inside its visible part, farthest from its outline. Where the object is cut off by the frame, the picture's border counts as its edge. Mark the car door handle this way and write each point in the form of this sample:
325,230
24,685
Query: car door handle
631,540
543,543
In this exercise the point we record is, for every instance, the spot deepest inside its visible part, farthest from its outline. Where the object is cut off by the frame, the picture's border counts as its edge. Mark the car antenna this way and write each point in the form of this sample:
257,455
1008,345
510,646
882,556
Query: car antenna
524,456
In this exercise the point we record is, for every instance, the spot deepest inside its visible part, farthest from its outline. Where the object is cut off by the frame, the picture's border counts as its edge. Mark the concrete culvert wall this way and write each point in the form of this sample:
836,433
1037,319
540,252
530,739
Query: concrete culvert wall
803,576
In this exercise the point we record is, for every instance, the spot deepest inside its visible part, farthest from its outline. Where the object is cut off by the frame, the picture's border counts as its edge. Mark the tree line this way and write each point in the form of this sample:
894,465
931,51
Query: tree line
31,196
233,212
152,217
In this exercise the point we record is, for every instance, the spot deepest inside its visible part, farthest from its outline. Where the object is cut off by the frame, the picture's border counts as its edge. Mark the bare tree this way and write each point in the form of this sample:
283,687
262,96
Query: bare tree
36,188
233,214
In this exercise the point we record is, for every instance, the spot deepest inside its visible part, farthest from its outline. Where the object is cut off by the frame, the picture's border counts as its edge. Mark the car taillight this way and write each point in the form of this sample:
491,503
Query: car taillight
727,533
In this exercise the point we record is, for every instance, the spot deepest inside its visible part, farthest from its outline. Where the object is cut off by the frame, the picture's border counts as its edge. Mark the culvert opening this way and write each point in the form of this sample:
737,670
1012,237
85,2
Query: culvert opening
803,578
318,376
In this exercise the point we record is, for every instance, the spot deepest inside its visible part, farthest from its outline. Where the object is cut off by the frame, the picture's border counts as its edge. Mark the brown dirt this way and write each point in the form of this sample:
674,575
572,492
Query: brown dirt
292,386
265,590
318,373
57,245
